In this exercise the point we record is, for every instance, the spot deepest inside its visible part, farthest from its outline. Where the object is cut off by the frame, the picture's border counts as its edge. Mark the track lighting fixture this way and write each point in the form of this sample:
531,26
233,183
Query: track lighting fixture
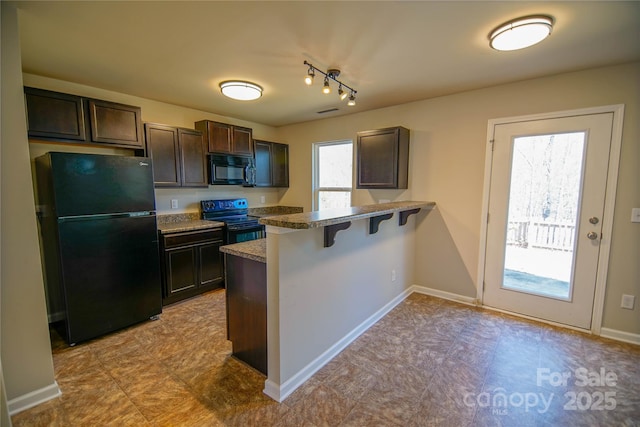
331,74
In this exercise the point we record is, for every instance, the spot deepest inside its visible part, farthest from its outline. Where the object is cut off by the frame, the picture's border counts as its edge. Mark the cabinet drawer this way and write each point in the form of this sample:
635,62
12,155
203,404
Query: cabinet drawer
191,237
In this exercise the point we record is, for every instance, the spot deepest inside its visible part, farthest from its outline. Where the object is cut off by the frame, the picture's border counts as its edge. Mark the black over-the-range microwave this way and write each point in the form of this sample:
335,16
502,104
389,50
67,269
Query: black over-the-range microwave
231,170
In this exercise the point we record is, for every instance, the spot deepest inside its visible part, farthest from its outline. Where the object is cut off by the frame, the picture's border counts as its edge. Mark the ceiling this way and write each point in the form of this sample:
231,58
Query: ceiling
391,52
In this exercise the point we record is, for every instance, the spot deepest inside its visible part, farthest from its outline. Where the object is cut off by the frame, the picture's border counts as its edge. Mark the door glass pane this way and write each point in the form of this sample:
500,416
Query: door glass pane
546,174
335,165
334,199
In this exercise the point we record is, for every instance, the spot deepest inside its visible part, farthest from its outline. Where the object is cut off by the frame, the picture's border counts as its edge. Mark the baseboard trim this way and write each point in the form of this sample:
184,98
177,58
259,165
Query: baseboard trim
615,334
33,398
444,295
280,392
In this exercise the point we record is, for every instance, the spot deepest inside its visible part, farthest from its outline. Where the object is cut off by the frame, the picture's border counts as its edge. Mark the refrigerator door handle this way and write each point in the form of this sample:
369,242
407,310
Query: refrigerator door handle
106,216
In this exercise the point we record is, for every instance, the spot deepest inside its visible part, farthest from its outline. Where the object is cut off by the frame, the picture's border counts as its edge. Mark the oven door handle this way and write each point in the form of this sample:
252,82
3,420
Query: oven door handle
235,228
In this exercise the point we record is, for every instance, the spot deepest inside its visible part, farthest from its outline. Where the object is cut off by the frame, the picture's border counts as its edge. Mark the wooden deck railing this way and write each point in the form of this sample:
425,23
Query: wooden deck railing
546,235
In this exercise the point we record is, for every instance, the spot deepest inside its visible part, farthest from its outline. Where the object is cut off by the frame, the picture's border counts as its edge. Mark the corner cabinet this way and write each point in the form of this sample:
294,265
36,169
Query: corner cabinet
179,156
223,138
71,118
191,263
383,158
272,164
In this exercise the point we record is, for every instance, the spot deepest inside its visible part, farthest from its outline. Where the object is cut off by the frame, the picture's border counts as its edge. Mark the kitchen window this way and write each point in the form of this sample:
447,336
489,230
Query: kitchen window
332,174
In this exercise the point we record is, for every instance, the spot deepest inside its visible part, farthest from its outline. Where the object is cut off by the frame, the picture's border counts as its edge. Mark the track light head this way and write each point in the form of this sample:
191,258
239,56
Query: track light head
326,88
352,100
341,93
308,79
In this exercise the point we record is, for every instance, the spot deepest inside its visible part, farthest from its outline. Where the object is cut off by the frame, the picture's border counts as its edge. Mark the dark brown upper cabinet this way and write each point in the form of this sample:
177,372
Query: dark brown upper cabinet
113,123
383,158
272,164
179,156
223,138
71,118
53,115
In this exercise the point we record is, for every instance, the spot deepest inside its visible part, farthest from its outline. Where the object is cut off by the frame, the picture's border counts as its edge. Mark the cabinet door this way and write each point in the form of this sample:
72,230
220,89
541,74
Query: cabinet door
117,124
162,147
193,158
242,141
54,115
211,271
181,270
279,165
219,137
263,163
383,158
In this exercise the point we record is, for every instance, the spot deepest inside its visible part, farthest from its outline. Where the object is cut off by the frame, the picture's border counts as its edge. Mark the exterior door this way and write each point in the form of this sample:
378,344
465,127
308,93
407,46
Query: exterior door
545,214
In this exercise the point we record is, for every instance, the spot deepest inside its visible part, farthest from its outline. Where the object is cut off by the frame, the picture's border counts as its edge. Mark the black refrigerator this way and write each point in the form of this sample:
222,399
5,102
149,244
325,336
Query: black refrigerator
99,242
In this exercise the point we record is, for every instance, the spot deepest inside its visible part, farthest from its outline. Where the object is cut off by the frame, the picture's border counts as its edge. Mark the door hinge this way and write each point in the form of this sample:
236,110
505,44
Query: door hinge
491,141
488,215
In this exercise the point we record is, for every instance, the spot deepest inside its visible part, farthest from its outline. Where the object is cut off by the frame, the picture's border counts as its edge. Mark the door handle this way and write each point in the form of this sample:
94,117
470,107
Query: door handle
592,235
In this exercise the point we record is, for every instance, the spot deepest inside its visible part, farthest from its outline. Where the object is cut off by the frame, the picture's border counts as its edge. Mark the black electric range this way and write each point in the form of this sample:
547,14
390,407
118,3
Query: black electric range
239,225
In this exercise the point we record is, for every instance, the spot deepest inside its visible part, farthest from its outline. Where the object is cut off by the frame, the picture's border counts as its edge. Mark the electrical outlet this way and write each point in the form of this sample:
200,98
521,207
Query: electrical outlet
174,203
262,199
393,275
635,215
628,301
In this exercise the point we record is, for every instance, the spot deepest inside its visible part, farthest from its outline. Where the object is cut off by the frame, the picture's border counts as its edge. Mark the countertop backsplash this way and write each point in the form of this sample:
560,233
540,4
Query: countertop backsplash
188,199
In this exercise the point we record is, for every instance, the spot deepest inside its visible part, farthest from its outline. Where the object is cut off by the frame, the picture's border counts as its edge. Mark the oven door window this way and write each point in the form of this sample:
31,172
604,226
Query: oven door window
244,235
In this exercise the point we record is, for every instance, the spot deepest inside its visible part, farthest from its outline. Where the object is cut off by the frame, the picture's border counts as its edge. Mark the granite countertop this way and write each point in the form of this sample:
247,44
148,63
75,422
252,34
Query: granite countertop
178,227
336,216
177,223
253,249
266,211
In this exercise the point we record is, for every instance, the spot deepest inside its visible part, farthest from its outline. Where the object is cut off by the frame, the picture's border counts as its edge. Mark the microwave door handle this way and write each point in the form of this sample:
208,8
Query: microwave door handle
249,179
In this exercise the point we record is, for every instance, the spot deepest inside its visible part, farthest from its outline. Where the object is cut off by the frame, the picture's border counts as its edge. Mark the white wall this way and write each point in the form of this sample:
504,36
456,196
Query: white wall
25,349
448,137
317,296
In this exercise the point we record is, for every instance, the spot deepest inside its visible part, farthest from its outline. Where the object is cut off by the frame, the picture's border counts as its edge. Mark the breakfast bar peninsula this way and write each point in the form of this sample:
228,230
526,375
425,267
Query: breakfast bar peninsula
330,275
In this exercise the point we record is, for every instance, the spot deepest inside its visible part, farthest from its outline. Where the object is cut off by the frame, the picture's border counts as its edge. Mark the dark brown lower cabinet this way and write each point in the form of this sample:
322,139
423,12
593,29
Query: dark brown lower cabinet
247,310
192,264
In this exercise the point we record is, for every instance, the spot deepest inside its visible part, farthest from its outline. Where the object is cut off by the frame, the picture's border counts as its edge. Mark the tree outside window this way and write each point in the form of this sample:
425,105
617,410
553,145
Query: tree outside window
333,175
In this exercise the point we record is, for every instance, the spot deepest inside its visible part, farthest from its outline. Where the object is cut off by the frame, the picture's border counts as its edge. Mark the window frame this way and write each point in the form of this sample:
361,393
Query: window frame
315,170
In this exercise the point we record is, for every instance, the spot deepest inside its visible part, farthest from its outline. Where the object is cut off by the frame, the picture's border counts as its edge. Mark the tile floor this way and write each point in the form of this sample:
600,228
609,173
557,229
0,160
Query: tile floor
429,362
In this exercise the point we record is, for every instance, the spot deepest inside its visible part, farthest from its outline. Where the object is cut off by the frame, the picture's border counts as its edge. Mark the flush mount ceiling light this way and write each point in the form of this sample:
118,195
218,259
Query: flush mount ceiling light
240,90
520,33
331,74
